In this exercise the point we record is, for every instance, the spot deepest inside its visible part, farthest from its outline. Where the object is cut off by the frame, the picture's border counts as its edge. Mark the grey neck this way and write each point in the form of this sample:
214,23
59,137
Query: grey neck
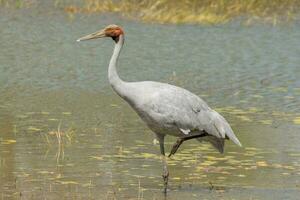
115,81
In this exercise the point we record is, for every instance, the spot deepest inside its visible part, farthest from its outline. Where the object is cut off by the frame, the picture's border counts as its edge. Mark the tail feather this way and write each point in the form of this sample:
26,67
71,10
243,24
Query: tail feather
217,129
224,128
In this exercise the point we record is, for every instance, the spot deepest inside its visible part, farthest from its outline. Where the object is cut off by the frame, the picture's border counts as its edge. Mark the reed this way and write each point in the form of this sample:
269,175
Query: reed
194,11
63,138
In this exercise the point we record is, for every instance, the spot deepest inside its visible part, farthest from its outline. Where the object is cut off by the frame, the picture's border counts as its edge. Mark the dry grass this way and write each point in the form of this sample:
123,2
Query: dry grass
194,11
62,138
16,3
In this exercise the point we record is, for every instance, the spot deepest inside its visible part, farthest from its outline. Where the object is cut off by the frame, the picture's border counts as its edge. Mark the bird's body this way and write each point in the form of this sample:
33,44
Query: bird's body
171,110
165,108
162,108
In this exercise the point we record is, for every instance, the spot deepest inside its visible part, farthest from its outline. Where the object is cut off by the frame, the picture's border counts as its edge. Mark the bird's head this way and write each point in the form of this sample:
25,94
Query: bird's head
112,31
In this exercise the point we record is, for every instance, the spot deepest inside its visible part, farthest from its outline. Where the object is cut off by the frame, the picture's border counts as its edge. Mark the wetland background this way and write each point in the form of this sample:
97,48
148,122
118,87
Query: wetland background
66,135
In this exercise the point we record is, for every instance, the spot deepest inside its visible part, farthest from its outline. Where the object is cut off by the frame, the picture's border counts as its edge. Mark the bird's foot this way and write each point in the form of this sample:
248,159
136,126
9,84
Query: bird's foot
175,147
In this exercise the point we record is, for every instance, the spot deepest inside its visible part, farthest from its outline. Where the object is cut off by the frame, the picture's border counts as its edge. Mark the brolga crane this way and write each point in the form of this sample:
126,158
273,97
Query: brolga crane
165,108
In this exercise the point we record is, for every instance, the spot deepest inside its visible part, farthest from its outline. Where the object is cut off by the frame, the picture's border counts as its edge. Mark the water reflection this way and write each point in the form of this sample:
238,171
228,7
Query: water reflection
7,156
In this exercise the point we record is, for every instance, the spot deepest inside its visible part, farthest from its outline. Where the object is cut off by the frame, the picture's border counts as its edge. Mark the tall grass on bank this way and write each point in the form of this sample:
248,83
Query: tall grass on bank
12,3
194,11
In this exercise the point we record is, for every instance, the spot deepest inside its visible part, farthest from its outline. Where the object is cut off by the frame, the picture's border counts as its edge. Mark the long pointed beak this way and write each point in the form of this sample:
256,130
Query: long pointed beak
98,34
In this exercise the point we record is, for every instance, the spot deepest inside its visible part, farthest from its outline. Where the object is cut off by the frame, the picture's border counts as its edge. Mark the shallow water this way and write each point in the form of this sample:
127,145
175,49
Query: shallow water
66,135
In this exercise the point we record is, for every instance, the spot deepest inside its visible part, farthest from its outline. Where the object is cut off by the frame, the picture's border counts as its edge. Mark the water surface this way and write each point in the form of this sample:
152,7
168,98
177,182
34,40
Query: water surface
66,135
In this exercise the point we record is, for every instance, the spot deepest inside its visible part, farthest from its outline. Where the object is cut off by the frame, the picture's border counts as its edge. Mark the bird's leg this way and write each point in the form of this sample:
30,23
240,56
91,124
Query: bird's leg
181,140
165,174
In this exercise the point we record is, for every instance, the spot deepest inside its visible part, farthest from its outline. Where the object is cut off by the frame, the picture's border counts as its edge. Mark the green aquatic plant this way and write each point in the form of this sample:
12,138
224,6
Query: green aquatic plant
194,11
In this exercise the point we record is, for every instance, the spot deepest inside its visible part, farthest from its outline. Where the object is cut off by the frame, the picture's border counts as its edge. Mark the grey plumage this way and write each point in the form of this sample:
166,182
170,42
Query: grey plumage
171,110
165,108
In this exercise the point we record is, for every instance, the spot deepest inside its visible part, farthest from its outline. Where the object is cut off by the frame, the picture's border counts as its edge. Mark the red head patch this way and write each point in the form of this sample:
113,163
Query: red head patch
114,32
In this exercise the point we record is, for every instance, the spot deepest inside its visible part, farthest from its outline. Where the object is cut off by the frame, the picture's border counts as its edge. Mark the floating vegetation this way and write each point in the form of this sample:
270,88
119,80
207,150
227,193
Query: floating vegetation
261,164
68,182
107,157
9,141
45,113
296,120
66,113
189,11
244,118
266,122
257,115
210,165
34,129
196,165
53,119
96,157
